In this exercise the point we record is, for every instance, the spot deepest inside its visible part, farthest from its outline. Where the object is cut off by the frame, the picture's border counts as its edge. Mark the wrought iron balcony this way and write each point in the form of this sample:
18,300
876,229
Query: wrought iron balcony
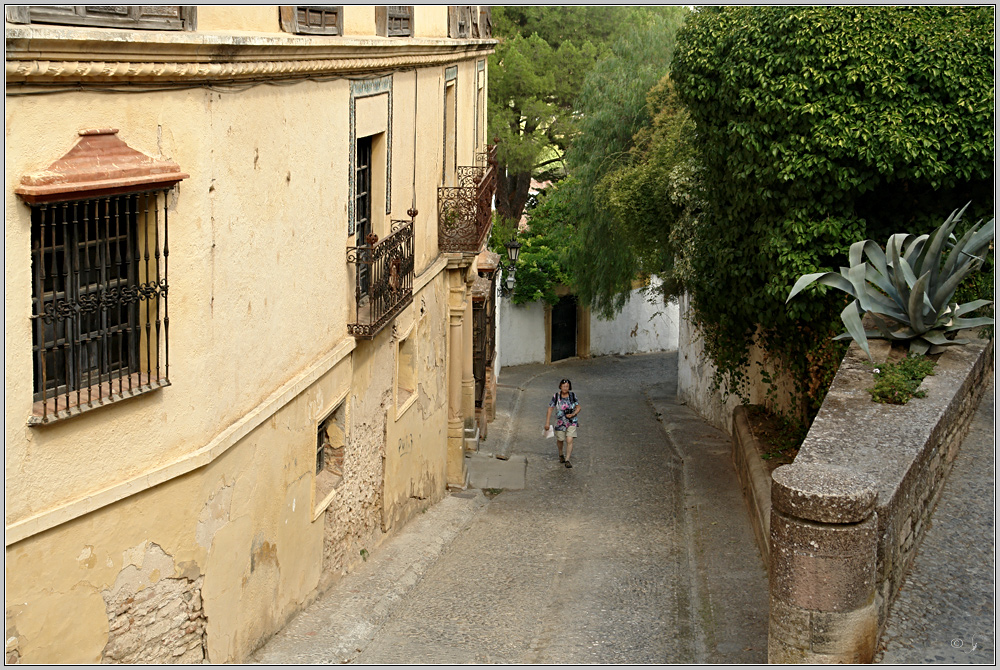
465,212
383,279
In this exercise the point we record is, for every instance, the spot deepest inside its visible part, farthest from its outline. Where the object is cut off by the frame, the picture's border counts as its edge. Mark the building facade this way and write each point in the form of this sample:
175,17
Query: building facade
240,248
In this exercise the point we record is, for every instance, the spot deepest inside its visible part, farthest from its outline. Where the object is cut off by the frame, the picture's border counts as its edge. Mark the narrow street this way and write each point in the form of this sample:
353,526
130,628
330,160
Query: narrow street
641,553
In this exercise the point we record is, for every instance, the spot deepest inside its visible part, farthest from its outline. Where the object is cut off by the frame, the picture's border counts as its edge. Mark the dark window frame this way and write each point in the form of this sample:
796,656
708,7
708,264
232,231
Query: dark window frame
298,19
134,17
363,201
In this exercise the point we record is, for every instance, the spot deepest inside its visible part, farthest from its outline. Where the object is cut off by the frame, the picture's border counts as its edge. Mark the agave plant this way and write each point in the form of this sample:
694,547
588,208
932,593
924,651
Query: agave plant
912,283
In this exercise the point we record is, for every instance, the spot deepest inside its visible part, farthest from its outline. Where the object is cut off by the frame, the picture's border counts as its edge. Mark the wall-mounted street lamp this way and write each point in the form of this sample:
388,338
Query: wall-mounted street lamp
513,249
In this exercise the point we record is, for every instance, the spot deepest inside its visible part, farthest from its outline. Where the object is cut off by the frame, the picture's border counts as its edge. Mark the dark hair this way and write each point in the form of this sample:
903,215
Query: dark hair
566,381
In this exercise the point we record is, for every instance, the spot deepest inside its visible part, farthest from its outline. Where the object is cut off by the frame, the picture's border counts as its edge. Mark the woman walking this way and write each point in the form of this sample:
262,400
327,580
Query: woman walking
567,408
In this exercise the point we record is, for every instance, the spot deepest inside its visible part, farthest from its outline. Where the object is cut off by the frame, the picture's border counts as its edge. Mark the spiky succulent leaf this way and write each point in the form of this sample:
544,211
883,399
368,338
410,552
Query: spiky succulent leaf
829,278
851,316
959,310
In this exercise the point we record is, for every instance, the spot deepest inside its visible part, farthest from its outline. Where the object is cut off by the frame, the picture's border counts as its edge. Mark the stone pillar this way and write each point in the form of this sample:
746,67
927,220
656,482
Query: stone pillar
468,376
456,467
823,549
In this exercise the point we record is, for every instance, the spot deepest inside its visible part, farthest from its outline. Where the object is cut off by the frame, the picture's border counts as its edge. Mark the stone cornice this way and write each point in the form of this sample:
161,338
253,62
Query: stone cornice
68,55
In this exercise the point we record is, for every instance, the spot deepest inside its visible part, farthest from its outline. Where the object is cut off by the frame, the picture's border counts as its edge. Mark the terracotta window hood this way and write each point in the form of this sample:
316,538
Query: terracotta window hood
99,164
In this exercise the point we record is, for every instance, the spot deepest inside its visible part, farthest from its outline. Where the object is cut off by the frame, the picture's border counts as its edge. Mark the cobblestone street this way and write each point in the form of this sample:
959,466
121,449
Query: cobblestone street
641,553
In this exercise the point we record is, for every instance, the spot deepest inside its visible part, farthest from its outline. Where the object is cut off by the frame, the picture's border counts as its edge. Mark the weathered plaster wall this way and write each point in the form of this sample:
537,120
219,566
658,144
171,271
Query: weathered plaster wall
254,18
695,372
259,293
642,326
521,333
241,527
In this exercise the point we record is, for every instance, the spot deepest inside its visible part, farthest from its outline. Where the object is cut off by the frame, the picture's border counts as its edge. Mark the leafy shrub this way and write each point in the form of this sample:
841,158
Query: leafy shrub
817,127
896,383
543,263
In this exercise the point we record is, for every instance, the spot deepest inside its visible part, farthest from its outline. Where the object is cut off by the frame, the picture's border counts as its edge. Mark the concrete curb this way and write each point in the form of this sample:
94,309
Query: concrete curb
754,480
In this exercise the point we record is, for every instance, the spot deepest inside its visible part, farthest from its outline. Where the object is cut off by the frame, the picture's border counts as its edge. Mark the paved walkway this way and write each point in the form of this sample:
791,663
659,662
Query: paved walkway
945,610
641,553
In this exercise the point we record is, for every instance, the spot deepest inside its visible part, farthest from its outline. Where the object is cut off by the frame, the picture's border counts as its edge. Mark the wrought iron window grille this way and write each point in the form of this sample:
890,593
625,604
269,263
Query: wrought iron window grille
383,278
465,212
100,323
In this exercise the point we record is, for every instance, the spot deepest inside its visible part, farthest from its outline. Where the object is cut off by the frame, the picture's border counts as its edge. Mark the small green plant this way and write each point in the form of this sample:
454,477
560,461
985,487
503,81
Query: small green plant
896,383
364,555
492,493
912,282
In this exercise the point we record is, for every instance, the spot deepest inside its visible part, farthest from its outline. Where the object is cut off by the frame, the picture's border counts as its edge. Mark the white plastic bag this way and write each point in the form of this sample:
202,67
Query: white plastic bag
549,433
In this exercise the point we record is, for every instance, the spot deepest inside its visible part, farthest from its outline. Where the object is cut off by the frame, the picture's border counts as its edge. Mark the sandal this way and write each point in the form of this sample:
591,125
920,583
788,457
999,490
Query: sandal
568,464
562,459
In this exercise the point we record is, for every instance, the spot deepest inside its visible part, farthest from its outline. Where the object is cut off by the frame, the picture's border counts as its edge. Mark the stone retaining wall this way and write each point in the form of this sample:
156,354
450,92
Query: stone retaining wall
754,480
838,559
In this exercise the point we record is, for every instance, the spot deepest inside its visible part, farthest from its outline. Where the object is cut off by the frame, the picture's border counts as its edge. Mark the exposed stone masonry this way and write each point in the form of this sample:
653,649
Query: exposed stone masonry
162,623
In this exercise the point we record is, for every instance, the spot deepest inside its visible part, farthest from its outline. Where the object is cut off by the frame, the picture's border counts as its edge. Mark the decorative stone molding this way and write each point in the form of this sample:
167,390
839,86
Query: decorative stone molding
100,163
80,55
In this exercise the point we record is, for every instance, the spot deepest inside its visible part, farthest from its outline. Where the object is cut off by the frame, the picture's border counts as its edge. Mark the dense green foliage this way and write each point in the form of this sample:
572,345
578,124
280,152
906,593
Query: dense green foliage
817,127
614,113
896,383
541,61
546,247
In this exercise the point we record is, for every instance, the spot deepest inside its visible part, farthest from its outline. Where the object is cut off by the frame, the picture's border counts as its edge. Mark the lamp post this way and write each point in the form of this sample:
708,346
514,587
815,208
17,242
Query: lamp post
513,249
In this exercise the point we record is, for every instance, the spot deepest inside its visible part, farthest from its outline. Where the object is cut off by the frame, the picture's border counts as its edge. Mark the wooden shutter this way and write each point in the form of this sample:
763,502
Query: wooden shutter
312,19
144,17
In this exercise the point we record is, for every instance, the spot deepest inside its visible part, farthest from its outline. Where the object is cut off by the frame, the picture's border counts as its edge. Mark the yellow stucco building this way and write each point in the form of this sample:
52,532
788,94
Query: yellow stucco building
240,245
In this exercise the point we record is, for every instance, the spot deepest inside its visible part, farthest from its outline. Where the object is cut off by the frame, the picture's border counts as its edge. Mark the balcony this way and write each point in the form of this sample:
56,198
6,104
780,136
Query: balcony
383,279
465,212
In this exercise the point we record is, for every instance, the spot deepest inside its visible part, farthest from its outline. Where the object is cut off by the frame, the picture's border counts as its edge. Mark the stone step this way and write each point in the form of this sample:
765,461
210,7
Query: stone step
487,472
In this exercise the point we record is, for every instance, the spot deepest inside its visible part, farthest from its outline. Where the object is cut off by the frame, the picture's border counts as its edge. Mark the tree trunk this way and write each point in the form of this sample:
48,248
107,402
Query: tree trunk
512,193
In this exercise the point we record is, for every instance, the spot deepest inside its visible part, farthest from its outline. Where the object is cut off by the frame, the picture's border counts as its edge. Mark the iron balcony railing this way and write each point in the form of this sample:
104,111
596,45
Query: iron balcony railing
383,279
465,212
483,335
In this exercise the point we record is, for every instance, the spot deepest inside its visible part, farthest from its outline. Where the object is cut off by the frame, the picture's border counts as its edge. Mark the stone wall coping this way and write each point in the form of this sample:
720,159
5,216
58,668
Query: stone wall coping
823,493
880,439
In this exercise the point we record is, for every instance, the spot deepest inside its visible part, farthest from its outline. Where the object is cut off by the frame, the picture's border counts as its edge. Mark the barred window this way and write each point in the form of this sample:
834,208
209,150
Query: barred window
312,19
394,21
99,301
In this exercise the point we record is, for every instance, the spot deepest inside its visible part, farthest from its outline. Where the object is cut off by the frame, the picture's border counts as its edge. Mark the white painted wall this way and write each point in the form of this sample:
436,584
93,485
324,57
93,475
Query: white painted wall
695,372
645,324
694,377
642,326
521,334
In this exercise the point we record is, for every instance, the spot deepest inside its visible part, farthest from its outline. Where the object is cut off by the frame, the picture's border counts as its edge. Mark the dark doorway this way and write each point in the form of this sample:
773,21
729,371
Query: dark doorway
564,328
